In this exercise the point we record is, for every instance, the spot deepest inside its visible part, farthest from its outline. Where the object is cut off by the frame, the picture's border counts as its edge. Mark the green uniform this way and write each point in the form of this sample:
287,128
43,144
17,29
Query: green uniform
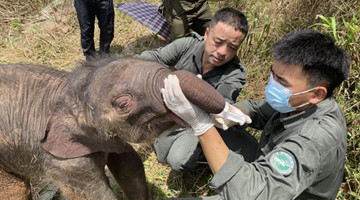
301,156
186,54
180,149
185,16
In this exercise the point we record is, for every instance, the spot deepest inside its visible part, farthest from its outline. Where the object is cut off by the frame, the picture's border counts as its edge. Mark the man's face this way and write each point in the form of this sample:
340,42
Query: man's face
293,78
221,44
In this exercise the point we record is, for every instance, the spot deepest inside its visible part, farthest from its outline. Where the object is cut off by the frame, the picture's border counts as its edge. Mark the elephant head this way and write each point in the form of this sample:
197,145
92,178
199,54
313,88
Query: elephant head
118,100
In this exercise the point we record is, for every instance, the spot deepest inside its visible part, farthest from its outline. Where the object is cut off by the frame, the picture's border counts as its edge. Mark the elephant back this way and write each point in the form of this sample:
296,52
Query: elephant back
28,93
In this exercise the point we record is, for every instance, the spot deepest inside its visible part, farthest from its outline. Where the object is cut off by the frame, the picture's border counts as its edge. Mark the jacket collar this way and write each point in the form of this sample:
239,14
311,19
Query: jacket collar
289,121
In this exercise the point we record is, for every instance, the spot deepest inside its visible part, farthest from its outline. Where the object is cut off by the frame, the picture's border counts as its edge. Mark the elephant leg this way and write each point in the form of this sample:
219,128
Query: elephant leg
128,170
13,188
81,178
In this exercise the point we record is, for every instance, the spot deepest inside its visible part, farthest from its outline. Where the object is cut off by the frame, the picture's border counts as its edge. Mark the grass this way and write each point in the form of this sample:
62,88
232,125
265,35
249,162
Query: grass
34,32
345,30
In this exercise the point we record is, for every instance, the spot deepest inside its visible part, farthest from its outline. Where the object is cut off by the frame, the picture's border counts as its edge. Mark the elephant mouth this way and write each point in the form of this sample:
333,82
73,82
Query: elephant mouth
160,123
177,119
151,128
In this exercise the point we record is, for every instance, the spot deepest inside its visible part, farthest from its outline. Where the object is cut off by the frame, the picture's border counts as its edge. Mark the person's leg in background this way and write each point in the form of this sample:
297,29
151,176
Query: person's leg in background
188,16
202,16
173,12
105,16
180,15
85,10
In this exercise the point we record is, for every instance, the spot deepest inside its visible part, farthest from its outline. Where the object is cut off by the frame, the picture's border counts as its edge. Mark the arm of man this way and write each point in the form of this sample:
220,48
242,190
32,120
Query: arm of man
168,55
258,110
214,148
233,81
282,174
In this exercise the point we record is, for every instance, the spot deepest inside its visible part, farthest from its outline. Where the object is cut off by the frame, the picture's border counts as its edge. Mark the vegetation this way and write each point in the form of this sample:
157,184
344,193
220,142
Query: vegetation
346,32
46,32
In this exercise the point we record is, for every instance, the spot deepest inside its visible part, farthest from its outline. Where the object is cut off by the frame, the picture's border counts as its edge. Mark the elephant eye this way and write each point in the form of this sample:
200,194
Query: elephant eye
124,103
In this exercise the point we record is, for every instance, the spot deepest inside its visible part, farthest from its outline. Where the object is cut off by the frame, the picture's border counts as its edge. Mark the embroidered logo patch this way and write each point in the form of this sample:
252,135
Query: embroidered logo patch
282,162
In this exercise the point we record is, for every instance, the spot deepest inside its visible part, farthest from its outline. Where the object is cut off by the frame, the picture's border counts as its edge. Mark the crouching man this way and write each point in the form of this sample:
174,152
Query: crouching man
302,148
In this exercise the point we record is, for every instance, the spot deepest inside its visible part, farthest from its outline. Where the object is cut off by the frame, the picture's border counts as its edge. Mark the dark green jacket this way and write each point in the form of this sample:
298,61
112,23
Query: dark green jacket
186,54
301,156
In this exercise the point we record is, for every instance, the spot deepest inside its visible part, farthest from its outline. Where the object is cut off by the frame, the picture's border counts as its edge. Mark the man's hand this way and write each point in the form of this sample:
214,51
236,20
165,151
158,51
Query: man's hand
176,101
229,117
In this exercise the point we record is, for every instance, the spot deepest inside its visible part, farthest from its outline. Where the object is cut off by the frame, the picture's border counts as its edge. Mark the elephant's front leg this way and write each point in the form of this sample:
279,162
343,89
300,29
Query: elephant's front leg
128,170
81,178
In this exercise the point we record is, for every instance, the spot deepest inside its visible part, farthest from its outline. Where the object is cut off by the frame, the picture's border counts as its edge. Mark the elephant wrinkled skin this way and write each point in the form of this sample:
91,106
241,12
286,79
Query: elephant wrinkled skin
66,126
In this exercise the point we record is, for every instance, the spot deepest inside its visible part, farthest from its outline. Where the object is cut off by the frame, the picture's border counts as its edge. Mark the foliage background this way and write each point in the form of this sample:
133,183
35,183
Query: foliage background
47,32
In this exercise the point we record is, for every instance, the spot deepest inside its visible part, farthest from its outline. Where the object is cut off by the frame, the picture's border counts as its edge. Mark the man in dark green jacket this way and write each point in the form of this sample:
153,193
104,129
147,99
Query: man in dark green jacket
214,58
302,148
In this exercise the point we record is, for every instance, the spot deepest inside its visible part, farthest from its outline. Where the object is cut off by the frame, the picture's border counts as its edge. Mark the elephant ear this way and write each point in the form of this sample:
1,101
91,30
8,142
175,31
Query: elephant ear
65,139
60,140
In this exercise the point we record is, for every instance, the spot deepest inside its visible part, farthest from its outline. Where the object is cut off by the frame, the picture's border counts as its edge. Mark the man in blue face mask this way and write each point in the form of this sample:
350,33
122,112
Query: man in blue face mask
302,148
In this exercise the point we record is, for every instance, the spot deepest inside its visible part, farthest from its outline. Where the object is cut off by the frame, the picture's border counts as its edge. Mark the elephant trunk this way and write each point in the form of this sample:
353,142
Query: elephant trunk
200,92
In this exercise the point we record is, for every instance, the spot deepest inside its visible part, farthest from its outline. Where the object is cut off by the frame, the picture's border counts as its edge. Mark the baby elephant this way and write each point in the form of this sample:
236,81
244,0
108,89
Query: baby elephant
64,127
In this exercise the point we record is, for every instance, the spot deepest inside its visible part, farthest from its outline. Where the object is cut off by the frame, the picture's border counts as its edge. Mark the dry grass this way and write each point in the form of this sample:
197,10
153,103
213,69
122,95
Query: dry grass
32,32
52,37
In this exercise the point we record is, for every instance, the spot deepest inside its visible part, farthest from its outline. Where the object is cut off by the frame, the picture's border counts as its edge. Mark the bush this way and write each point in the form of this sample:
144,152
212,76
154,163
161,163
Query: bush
270,20
345,30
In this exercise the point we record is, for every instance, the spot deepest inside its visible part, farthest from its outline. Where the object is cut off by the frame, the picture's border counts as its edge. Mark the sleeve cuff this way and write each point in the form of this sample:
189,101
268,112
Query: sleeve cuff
244,105
232,165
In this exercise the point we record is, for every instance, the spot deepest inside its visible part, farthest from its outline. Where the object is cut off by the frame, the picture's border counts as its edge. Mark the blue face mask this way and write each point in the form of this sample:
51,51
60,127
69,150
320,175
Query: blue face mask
278,96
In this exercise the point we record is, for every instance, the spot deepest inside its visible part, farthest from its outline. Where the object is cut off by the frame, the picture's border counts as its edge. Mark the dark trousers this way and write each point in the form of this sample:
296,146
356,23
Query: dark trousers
86,11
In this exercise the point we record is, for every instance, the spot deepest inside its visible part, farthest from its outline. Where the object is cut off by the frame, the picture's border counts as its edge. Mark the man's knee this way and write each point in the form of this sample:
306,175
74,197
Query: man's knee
179,149
182,161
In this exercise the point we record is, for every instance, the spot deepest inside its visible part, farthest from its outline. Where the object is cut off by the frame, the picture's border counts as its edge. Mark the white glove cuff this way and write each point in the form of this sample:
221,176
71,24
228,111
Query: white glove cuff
202,128
226,108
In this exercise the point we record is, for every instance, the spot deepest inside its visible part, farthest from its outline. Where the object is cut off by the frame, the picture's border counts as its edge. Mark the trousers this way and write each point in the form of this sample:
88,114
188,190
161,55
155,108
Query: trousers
86,11
185,16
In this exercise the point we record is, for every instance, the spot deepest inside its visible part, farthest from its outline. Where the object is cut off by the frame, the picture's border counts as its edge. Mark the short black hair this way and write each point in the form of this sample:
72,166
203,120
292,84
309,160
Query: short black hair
323,62
232,17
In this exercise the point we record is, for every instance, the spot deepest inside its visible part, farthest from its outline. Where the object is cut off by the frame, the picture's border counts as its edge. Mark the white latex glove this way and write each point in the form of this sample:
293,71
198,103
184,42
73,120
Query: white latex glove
229,117
176,101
